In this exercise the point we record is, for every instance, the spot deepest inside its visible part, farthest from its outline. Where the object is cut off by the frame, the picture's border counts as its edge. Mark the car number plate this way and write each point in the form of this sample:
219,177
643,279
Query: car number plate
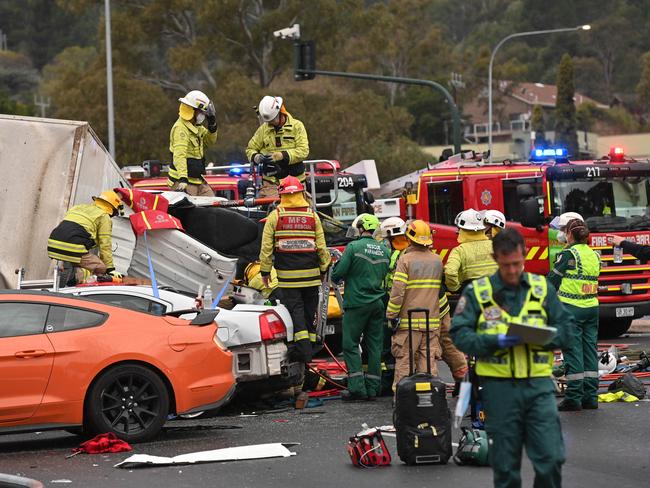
624,311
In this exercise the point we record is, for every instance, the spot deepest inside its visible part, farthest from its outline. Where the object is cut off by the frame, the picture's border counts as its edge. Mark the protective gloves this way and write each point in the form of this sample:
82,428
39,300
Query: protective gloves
211,117
394,324
505,341
277,156
116,274
182,186
260,158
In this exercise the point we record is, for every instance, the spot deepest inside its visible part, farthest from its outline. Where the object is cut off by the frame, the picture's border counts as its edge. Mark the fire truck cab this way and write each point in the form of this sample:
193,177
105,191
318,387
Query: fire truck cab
611,193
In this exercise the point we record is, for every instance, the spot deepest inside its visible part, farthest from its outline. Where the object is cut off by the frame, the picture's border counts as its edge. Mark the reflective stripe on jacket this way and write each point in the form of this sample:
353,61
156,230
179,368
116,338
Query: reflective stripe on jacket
83,227
294,243
579,286
290,139
416,284
470,260
187,145
524,360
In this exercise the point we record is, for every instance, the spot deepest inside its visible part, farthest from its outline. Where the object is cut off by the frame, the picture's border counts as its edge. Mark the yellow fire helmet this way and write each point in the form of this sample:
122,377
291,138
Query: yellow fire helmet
419,232
113,200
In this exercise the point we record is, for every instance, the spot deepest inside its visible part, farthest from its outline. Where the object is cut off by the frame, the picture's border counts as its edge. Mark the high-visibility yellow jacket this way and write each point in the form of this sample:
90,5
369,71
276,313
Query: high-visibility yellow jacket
187,145
83,227
293,242
471,259
416,284
290,139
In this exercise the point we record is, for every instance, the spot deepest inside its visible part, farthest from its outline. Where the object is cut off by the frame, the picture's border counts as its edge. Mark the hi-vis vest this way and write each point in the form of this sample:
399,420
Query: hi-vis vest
296,256
579,286
391,269
524,360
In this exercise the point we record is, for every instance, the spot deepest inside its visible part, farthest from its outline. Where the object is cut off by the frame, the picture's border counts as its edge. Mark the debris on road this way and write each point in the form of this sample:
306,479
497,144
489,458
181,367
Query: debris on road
100,444
258,451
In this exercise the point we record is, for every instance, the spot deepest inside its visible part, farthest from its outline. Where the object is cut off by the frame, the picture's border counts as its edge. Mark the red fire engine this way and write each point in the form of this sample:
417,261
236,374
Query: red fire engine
612,194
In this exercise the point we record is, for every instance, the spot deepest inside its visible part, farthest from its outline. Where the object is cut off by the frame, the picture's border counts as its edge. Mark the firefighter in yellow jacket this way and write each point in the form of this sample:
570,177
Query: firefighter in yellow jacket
416,284
187,141
472,258
294,243
84,227
279,145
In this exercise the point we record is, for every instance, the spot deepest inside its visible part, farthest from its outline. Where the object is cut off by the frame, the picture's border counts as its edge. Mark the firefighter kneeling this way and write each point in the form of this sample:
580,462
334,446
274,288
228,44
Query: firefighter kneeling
294,243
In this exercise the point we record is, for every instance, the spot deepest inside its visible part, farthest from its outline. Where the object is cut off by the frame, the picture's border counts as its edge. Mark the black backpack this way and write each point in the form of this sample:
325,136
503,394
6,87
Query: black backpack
630,384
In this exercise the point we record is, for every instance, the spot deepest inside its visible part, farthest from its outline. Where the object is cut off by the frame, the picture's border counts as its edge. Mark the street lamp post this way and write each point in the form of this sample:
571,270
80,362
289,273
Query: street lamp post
109,80
494,52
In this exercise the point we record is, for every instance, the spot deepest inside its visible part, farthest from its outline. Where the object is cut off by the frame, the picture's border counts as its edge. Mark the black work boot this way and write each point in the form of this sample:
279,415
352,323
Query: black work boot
346,396
590,405
569,406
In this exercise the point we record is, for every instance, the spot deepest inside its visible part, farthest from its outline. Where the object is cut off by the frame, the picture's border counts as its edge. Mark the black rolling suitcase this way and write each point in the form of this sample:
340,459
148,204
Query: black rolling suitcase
422,417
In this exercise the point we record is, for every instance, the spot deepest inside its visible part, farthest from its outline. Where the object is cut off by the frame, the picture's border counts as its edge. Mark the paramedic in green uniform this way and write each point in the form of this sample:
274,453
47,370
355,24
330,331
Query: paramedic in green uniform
575,276
363,266
518,392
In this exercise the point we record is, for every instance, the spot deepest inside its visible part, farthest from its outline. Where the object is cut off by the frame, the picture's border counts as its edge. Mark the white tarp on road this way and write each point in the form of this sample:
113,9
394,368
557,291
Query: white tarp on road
258,451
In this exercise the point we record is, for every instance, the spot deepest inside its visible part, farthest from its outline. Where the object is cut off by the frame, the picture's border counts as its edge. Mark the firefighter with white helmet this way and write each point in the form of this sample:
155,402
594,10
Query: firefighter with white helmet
187,141
84,227
575,276
279,146
494,222
472,258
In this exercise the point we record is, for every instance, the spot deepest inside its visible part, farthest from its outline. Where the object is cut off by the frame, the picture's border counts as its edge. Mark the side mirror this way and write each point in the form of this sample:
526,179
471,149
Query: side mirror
531,214
368,197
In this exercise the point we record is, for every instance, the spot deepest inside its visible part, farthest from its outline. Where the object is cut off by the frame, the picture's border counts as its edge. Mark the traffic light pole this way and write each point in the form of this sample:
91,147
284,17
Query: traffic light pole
405,81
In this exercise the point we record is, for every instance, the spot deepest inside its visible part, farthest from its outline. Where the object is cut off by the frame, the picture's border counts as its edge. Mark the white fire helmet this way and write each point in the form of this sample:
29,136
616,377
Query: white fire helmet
196,99
470,219
269,108
495,218
392,227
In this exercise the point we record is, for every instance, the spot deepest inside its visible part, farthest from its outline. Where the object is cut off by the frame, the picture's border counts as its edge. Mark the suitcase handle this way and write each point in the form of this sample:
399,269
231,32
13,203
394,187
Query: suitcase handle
410,313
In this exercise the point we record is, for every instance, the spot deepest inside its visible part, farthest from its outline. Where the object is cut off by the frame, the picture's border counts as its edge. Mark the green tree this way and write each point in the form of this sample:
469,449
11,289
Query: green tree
643,87
538,125
565,109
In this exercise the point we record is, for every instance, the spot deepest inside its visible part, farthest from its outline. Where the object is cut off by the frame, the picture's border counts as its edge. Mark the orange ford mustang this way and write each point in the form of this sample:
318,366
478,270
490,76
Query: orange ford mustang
70,363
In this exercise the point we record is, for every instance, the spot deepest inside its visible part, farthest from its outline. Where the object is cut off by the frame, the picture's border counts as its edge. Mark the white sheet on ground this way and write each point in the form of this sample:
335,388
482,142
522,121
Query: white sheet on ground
258,451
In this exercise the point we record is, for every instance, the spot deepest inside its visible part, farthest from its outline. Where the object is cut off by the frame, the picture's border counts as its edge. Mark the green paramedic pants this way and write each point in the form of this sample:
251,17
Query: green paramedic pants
581,358
369,321
522,413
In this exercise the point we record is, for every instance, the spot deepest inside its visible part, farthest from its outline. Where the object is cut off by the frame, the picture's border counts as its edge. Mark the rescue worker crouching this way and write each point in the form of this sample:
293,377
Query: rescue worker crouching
84,227
294,243
472,258
517,390
187,141
416,284
575,276
363,266
279,145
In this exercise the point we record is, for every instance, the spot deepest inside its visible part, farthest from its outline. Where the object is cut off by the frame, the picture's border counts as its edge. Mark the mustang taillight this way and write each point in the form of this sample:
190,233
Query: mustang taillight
272,327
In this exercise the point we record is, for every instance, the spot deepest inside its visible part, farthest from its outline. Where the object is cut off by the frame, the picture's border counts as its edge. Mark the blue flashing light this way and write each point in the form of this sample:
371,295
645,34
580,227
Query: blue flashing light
544,154
236,171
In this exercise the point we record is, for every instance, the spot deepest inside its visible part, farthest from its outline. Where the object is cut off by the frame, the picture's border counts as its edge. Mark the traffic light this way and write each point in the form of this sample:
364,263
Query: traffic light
305,59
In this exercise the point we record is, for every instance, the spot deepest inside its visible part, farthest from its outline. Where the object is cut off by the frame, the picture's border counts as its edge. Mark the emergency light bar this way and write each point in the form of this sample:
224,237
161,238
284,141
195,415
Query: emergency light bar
544,154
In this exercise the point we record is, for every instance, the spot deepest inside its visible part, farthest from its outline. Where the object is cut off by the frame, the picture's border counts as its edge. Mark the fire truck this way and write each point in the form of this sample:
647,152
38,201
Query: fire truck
612,194
343,201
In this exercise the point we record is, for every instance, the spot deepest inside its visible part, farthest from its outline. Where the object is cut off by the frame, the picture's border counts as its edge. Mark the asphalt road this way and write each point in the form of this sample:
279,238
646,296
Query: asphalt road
605,448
